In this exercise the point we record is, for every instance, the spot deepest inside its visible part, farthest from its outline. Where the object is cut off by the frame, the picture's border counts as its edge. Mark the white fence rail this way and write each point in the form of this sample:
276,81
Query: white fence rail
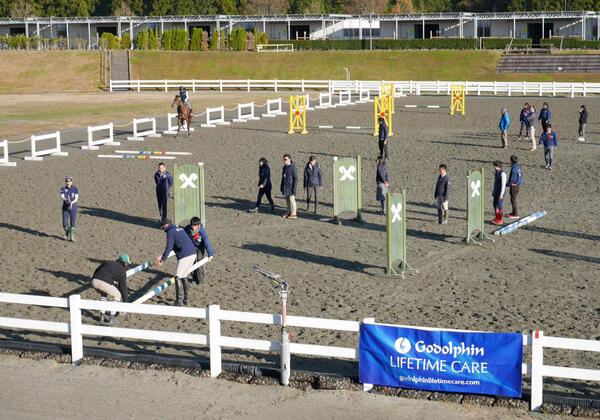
108,141
172,125
4,161
37,154
402,87
138,135
216,341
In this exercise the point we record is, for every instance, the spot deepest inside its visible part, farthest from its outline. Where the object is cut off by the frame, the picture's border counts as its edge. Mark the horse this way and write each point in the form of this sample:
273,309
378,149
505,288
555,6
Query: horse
184,115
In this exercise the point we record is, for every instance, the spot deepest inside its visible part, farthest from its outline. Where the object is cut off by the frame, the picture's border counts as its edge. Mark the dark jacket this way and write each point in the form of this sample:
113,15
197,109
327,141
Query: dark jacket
163,182
264,177
524,115
178,241
313,176
383,132
68,195
115,274
583,117
442,187
531,119
515,177
382,175
200,240
289,179
545,115
549,140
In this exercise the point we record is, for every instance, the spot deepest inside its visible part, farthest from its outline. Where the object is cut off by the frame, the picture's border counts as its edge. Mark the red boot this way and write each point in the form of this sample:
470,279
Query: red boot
498,219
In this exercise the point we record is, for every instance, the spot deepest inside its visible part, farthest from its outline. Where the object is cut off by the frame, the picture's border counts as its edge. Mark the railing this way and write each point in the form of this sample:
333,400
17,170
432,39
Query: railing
216,341
402,87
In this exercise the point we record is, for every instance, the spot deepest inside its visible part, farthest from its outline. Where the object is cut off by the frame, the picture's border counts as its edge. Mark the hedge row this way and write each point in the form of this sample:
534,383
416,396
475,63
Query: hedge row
502,43
384,44
574,43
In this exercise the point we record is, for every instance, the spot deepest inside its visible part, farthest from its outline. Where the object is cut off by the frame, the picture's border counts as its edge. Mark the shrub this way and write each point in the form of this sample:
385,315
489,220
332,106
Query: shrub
237,39
384,44
142,40
126,41
573,43
214,41
154,41
502,43
204,42
110,41
196,42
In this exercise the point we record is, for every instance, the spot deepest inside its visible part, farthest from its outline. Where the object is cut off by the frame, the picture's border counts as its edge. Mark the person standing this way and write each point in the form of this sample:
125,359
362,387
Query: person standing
545,115
381,178
550,142
515,181
110,279
583,118
531,120
264,185
163,180
178,241
313,182
442,194
383,138
498,191
523,130
199,237
289,180
69,195
504,125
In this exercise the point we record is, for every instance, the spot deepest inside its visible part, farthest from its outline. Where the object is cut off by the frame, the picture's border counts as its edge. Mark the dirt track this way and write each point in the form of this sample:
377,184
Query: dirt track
545,276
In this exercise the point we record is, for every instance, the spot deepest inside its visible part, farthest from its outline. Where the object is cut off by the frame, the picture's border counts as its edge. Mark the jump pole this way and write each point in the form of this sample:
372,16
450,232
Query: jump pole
132,157
170,281
155,153
516,225
143,266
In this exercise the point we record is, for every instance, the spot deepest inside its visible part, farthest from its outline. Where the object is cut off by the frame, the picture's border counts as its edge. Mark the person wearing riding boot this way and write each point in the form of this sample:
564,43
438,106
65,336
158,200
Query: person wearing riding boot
313,182
199,237
442,194
515,181
110,279
179,241
69,195
498,190
185,97
264,185
289,180
383,138
381,178
163,180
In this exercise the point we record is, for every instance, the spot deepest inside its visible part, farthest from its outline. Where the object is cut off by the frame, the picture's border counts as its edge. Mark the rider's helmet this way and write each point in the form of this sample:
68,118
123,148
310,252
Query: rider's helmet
181,88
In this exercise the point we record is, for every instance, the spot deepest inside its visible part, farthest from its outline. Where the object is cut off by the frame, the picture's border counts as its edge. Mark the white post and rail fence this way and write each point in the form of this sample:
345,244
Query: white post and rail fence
402,87
215,340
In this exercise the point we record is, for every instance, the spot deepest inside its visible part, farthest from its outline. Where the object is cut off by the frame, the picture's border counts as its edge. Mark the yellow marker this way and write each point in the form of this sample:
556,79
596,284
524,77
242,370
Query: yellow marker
383,108
298,114
457,99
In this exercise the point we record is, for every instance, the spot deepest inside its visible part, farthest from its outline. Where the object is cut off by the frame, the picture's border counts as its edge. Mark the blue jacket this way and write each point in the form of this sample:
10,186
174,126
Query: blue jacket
264,177
549,141
313,176
383,131
442,187
183,95
289,179
545,114
504,121
200,240
68,195
179,241
382,176
524,115
515,177
163,182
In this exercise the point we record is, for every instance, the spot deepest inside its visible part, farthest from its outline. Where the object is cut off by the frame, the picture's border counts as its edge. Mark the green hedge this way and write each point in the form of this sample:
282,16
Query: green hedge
502,43
384,44
196,41
574,43
237,39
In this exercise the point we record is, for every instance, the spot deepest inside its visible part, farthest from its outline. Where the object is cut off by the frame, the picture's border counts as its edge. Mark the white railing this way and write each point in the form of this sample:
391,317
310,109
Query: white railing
216,341
139,135
274,47
108,141
37,154
172,125
212,121
402,87
274,108
4,161
245,112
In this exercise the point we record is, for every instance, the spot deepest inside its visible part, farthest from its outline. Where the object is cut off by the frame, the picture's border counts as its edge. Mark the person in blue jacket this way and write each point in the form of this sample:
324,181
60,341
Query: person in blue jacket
163,180
69,195
264,185
545,116
515,181
524,130
199,237
550,142
504,125
313,182
178,241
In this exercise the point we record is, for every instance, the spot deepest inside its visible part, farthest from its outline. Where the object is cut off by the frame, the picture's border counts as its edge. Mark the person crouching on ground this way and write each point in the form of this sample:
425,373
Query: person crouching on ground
199,237
498,190
264,185
442,194
313,182
185,251
504,125
289,180
110,279
381,178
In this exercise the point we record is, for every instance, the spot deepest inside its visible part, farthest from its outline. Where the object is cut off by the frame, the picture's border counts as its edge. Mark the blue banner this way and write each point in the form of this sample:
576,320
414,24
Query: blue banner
447,361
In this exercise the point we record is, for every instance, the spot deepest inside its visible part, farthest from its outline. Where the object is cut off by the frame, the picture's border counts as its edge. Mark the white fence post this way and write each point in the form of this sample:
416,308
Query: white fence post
366,387
275,85
110,88
75,329
537,364
166,86
214,338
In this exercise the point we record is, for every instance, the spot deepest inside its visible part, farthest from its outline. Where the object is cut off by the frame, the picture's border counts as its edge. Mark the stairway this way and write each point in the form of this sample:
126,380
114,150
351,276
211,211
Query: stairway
538,63
119,65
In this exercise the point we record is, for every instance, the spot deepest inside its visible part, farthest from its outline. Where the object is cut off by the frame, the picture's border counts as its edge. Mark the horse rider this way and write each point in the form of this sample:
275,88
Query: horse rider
185,98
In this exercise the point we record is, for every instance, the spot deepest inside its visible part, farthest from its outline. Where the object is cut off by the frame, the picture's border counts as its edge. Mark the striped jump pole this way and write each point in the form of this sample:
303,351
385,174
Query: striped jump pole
133,157
170,281
516,225
143,266
152,153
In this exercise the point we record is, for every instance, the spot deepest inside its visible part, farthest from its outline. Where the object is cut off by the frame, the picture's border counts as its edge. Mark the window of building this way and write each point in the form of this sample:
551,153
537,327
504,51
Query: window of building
484,28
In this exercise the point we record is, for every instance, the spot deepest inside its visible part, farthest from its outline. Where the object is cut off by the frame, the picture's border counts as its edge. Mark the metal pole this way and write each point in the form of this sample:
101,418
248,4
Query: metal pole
397,35
289,30
89,36
423,34
131,34
371,31
68,42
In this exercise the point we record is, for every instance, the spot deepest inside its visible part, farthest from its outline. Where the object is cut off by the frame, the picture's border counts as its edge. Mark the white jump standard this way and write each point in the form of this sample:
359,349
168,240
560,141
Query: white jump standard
244,115
4,156
105,141
172,127
219,120
325,101
345,98
139,135
274,108
37,154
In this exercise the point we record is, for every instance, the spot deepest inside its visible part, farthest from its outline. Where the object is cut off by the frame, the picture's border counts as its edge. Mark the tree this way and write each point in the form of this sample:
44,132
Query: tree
22,9
264,7
160,7
403,7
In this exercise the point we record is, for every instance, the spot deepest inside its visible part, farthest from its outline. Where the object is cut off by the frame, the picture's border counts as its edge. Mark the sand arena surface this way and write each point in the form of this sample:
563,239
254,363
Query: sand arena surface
542,277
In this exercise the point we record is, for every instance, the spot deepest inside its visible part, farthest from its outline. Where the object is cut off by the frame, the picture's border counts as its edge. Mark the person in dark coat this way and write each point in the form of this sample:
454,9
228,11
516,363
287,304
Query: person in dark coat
498,190
199,237
110,279
442,194
163,180
383,138
524,130
313,182
545,116
381,178
583,119
264,185
69,195
550,142
289,180
515,181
